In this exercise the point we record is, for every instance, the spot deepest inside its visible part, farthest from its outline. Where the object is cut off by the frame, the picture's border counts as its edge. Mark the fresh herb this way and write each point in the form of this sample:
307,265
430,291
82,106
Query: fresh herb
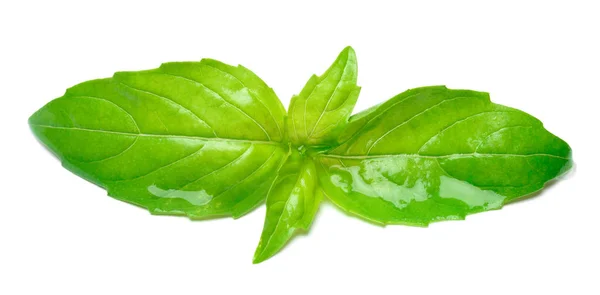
205,139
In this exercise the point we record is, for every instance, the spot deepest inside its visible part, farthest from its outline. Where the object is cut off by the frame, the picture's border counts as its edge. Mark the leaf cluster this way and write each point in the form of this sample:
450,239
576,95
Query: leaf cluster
205,139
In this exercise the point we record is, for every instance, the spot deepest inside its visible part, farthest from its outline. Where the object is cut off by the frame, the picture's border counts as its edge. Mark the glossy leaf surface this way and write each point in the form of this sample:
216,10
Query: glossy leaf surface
205,139
197,138
433,154
292,204
318,114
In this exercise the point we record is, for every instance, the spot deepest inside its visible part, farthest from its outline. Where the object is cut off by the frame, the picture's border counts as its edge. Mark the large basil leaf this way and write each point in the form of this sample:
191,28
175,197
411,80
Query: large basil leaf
291,205
193,138
318,114
433,154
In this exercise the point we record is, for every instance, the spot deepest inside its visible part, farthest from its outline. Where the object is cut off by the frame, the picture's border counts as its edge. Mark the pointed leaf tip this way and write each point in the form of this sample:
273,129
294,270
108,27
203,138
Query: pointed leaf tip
320,111
292,203
347,54
348,49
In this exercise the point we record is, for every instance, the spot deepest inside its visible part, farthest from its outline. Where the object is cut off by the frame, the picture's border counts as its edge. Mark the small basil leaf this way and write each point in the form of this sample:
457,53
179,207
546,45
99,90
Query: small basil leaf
292,203
319,113
433,154
195,138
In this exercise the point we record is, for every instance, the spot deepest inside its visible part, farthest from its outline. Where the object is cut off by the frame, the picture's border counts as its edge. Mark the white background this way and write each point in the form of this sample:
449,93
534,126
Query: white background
62,235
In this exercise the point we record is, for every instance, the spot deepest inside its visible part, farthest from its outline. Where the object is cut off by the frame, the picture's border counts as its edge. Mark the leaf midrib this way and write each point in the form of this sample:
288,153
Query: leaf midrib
191,137
448,156
329,99
279,218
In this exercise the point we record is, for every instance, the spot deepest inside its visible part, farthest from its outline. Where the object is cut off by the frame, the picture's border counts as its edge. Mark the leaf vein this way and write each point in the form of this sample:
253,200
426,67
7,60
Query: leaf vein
216,170
165,166
113,103
114,156
157,135
246,178
260,101
450,156
499,130
224,100
411,118
344,72
457,122
174,102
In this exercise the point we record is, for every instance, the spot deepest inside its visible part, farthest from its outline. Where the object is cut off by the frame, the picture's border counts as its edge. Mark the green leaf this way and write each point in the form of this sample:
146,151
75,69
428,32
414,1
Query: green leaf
205,139
433,154
292,203
199,139
318,114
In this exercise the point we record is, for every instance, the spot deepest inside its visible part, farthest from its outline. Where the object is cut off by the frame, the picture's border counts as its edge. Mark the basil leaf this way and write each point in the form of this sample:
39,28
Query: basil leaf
193,138
205,139
318,114
433,154
292,203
